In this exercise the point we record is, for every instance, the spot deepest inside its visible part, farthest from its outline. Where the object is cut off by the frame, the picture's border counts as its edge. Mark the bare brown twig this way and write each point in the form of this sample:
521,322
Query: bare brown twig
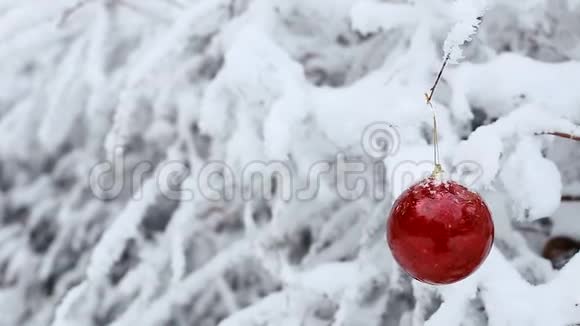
570,198
429,96
560,134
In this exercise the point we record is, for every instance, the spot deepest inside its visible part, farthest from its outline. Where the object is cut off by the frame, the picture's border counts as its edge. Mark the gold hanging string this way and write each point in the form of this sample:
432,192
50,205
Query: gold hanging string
428,96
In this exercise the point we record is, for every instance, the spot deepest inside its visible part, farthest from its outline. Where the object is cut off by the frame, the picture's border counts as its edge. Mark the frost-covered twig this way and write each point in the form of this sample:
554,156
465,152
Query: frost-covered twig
159,14
469,16
458,35
68,12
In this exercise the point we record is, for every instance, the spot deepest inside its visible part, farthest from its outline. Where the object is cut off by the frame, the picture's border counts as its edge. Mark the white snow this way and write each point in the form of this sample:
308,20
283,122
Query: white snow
370,16
224,83
478,158
566,220
532,181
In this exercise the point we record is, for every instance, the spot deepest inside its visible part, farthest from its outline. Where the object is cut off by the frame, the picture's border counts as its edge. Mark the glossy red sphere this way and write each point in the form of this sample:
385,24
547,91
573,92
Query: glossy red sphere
439,231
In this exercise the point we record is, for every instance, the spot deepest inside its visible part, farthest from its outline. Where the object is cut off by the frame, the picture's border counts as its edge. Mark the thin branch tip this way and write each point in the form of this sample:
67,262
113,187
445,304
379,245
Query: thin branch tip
561,135
429,96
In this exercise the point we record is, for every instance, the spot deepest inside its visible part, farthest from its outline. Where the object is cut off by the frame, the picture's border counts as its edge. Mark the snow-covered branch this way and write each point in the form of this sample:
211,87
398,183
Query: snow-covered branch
227,84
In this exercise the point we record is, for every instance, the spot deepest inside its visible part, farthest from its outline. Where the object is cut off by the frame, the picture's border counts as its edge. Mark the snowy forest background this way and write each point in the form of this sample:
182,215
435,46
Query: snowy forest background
293,81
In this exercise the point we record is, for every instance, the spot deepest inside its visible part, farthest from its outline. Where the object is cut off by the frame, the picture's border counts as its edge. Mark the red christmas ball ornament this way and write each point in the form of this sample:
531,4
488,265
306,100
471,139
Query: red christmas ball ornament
439,232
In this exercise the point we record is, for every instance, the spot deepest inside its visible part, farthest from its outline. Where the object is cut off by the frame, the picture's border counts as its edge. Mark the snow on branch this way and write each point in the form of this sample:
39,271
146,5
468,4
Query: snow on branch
503,84
532,180
468,15
369,17
183,291
19,19
306,292
526,121
111,245
531,119
281,308
206,16
509,299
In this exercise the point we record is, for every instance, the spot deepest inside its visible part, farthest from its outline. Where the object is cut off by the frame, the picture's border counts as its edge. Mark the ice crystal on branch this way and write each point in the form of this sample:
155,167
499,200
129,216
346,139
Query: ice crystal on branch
469,14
